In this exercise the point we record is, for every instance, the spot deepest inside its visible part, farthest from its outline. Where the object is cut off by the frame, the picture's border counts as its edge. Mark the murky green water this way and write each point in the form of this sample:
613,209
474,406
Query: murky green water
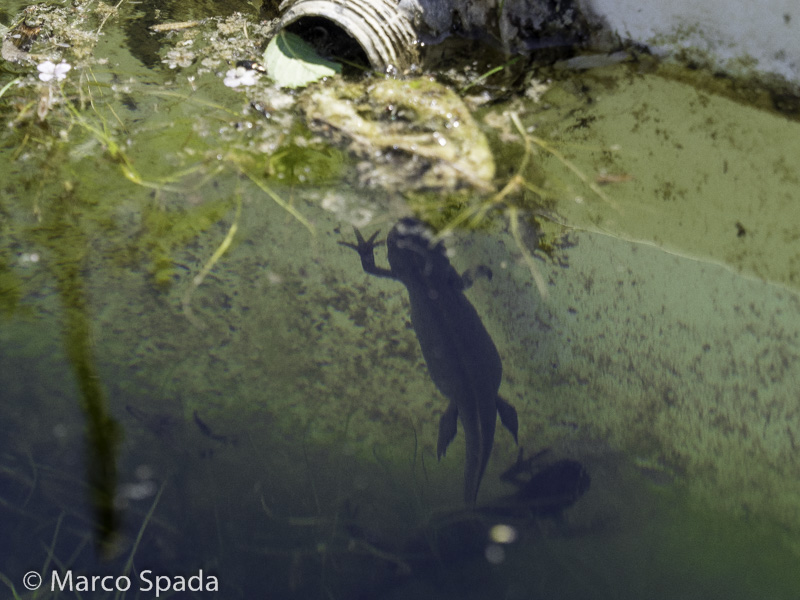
196,375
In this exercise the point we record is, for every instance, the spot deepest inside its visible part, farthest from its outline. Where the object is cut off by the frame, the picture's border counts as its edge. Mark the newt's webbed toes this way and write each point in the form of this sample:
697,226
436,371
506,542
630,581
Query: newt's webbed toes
371,241
363,246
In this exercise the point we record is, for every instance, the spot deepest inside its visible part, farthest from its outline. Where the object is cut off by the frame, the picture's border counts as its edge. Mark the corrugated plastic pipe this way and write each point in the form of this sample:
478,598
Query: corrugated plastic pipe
384,31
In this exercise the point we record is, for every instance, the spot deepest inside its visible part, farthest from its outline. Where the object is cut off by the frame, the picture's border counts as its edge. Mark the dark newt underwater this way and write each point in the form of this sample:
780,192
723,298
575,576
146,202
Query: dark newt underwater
461,357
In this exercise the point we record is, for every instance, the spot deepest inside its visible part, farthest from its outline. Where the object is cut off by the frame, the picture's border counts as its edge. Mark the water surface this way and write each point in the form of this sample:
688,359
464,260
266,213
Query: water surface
197,376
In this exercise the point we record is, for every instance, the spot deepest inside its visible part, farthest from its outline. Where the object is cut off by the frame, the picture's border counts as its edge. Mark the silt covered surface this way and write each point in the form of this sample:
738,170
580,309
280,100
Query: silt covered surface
284,393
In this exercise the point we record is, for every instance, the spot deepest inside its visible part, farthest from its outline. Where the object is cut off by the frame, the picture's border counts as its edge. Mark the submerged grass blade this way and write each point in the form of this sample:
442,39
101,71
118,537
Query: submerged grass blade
280,201
115,151
563,160
10,586
221,249
193,100
51,549
129,563
513,220
488,74
113,11
476,213
5,88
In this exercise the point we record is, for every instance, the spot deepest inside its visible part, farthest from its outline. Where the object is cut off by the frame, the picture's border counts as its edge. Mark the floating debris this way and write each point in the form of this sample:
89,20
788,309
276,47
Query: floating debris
163,27
415,134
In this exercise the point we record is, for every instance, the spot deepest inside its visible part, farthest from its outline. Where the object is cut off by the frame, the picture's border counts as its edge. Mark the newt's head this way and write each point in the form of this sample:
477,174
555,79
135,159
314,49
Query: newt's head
412,252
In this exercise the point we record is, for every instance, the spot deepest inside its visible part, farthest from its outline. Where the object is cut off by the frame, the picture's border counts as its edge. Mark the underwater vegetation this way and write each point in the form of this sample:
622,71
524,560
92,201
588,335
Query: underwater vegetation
195,375
87,105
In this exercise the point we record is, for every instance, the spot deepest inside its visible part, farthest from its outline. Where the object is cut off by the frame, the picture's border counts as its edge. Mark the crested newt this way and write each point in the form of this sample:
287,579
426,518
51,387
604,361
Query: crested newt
461,357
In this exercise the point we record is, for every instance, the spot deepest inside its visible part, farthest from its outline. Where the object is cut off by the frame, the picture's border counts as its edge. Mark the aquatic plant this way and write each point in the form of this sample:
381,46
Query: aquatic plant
70,524
91,109
331,550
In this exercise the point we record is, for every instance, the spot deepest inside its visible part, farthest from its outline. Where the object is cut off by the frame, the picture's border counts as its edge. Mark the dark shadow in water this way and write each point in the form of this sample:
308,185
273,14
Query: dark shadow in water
62,234
345,552
455,540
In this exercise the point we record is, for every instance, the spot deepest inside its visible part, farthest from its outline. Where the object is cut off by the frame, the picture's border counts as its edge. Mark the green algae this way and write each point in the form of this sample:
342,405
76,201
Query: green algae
693,173
65,237
299,164
416,133
685,367
165,231
656,545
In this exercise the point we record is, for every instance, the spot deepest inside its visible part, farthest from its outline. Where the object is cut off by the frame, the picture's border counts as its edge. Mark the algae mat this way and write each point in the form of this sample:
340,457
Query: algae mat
285,392
692,172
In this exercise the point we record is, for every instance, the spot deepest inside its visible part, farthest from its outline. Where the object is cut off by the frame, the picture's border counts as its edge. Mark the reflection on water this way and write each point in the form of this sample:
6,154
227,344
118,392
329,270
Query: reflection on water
102,431
282,442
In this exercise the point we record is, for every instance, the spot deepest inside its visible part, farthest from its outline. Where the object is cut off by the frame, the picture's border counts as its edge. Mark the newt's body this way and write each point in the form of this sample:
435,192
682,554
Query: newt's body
461,357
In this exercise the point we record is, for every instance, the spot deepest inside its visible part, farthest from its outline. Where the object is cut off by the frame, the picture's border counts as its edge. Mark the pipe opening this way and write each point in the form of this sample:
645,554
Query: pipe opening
332,42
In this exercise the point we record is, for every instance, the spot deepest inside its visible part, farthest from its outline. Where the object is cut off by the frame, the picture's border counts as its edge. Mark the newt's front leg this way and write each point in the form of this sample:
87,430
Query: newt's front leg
365,249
